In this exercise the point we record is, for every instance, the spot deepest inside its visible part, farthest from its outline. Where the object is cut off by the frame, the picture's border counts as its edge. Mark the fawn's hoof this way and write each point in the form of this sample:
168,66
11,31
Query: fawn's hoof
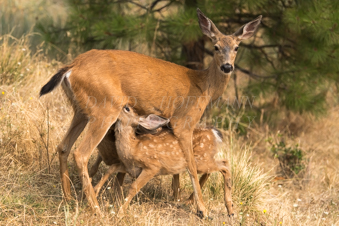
231,215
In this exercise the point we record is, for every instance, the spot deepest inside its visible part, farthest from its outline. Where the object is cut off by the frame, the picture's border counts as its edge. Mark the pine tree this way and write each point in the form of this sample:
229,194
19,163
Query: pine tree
293,57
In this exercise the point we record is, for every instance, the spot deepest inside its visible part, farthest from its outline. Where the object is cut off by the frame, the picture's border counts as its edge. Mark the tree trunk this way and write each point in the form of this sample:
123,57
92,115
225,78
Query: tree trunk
193,52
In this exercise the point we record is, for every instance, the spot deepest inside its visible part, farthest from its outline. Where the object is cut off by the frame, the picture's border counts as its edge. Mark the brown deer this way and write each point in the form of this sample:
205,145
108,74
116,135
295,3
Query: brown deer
146,156
99,82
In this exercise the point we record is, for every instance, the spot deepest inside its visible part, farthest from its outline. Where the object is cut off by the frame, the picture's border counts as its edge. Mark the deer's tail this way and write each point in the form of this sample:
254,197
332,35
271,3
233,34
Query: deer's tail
218,135
55,80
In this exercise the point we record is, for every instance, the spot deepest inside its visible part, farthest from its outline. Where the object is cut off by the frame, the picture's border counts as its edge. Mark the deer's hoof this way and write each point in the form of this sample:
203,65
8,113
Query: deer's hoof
231,215
200,214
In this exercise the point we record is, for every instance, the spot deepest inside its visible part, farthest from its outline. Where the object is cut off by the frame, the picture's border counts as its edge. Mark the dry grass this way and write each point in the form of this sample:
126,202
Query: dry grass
30,129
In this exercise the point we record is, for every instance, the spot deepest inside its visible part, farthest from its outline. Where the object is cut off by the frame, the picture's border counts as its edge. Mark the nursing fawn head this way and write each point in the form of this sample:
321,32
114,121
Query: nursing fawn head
128,117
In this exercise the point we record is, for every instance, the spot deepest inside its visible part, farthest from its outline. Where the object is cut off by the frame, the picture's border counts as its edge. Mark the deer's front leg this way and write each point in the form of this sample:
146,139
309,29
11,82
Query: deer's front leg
185,142
202,181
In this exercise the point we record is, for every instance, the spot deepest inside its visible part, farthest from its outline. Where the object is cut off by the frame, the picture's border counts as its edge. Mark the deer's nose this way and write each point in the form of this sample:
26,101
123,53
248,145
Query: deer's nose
227,68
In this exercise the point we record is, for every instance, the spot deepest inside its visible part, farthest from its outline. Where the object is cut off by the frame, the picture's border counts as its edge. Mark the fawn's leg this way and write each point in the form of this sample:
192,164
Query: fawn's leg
145,176
202,181
176,187
225,170
112,169
117,186
78,124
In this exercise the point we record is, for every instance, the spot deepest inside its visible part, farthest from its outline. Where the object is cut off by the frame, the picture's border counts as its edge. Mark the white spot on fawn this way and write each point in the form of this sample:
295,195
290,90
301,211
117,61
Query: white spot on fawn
201,145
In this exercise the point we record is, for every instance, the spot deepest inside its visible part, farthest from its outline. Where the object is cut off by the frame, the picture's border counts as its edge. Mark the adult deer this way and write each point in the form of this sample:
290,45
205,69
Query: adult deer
98,79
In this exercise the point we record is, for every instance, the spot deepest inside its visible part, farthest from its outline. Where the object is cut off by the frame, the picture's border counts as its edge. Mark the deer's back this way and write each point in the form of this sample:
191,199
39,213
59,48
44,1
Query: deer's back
147,81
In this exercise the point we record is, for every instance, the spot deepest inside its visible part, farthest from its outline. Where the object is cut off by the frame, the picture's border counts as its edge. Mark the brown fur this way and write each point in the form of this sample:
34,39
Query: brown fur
99,82
149,155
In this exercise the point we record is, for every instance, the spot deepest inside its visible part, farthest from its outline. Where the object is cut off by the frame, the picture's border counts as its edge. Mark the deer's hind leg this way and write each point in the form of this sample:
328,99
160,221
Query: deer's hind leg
78,124
226,172
97,129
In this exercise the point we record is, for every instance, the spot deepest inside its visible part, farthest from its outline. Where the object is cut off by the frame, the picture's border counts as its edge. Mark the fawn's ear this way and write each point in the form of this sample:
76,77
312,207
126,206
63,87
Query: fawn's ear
152,122
247,30
207,26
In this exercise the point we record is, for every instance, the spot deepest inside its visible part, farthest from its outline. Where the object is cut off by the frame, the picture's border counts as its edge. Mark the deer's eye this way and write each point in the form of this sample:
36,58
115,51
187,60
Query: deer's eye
127,109
236,48
216,48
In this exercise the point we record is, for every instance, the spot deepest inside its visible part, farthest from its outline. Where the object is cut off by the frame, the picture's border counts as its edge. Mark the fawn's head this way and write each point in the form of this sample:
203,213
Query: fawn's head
226,46
128,117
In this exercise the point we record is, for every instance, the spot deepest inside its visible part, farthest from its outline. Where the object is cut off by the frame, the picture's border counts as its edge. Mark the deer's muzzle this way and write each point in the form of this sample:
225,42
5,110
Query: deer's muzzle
227,68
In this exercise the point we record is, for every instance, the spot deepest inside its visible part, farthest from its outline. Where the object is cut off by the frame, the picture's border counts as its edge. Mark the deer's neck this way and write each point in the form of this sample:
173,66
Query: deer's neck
125,140
216,80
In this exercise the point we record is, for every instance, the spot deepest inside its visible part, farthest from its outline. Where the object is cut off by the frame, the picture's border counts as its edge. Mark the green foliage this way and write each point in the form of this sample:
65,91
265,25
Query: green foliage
291,159
293,56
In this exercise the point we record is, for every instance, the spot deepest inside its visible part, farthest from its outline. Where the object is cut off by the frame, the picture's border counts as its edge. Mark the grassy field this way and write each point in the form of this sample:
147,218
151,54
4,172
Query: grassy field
32,127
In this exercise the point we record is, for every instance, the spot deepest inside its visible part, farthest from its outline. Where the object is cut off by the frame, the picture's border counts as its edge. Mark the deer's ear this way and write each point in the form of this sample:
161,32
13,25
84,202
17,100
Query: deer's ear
247,30
207,26
153,122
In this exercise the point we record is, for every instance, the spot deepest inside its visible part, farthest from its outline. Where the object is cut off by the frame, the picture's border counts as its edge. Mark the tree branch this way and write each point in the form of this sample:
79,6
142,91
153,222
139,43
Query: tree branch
165,6
252,75
265,46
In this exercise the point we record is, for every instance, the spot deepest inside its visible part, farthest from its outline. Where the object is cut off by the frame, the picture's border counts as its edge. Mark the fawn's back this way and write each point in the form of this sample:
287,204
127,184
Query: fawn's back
162,152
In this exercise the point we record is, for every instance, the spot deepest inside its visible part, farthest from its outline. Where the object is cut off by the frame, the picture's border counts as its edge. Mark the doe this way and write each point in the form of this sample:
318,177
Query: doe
96,80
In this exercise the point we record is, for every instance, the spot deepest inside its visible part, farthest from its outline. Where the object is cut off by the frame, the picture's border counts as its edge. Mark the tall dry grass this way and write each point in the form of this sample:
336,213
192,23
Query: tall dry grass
30,192
30,129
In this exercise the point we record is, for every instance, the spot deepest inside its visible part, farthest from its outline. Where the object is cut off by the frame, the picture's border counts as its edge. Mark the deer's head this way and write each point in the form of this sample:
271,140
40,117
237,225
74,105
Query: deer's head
226,46
128,117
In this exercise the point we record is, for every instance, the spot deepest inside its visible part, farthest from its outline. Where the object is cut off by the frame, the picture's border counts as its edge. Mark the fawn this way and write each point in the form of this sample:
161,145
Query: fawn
146,156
